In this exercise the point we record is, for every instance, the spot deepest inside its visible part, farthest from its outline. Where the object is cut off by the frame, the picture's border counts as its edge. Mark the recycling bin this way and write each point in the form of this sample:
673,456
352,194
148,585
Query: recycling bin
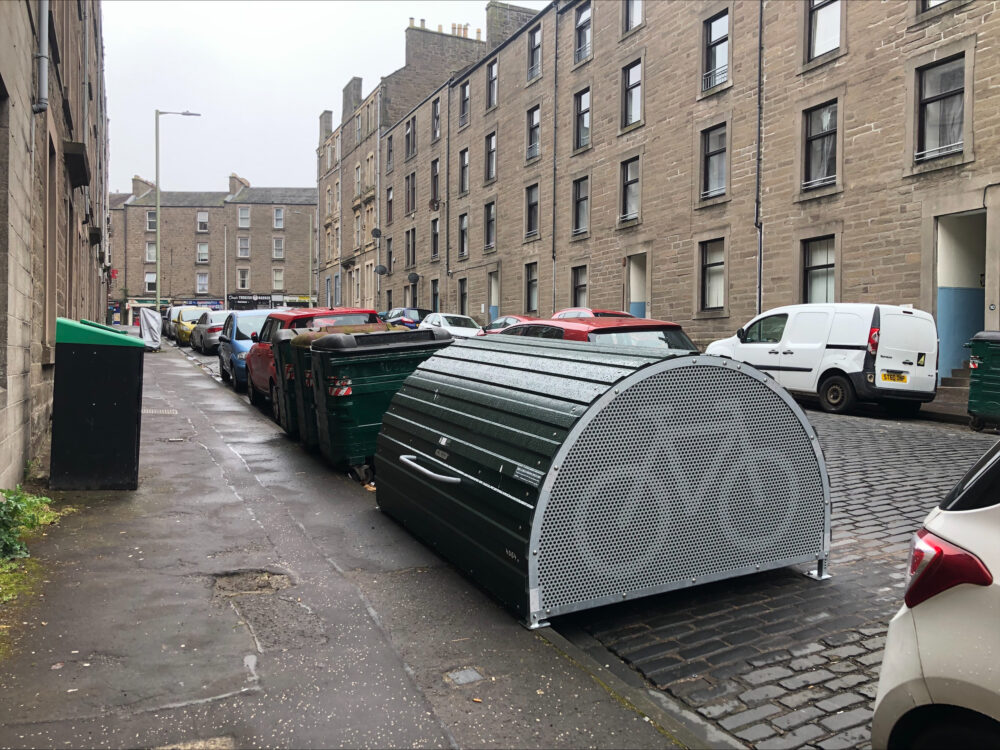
96,408
284,406
984,380
355,377
305,397
562,476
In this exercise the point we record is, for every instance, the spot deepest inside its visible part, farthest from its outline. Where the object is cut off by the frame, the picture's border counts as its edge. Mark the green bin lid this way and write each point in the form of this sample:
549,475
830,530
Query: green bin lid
87,332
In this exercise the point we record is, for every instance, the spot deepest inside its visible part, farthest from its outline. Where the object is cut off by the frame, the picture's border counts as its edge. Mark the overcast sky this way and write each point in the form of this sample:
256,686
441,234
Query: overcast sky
259,73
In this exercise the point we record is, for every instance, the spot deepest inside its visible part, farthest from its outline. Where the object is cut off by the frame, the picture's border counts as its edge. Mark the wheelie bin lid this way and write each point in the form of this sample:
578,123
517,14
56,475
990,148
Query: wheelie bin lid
348,344
87,332
987,336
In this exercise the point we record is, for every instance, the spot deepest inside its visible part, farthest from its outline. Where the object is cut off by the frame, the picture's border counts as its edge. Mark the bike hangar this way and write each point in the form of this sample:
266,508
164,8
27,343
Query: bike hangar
563,476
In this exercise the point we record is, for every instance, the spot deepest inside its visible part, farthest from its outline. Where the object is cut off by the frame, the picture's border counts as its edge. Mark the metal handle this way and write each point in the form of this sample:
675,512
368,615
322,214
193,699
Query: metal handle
907,362
788,351
411,461
774,351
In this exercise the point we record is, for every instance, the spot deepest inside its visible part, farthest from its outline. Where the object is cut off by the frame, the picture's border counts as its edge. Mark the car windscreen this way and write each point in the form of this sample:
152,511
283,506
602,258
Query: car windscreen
248,324
416,314
980,487
457,321
188,315
347,319
671,338
218,317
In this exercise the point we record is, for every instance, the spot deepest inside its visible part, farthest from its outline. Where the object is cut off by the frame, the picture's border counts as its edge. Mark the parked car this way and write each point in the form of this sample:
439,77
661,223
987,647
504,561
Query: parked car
235,341
940,686
165,316
205,335
261,376
406,316
185,319
456,325
609,332
504,322
843,352
590,312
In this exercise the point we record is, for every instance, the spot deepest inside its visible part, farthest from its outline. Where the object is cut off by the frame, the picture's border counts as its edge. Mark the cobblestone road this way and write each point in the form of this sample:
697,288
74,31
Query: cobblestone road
779,660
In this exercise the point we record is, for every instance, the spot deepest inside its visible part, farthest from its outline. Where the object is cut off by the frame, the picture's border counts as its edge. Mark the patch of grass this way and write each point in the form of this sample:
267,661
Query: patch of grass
20,513
18,578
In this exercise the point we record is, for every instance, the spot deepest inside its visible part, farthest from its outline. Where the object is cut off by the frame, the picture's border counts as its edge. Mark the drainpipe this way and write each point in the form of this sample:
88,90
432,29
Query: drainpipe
555,151
42,100
447,203
760,118
378,196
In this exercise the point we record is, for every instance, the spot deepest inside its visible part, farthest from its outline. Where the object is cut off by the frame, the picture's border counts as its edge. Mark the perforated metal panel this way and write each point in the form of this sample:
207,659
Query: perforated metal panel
690,471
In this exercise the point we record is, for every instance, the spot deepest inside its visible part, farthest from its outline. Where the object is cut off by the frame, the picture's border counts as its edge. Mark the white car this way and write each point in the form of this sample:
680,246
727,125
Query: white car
456,325
940,680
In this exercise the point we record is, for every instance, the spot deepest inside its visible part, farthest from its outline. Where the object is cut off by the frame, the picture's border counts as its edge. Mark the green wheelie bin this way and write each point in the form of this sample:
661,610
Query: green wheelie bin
283,404
984,380
354,379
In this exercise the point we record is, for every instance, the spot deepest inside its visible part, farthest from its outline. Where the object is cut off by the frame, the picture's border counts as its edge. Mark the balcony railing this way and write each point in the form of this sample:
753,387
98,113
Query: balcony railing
933,153
713,193
829,179
463,119
534,71
582,52
532,151
713,78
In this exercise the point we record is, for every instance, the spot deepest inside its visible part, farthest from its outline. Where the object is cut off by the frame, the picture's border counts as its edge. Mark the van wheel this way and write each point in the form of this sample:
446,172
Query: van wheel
836,394
902,408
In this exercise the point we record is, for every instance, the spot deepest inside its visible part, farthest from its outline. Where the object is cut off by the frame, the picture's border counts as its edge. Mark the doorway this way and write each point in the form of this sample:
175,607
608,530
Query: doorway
961,274
637,285
493,292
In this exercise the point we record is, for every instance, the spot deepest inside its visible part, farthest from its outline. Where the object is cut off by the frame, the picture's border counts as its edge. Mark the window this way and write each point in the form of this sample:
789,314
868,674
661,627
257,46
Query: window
579,274
337,237
435,298
817,270
336,194
492,84
243,278
531,211
630,189
279,218
534,132
435,238
388,299
277,279
150,278
201,282
410,136
202,225
581,205
766,330
535,52
329,201
357,129
411,192
821,146
713,274
581,122
244,217
388,153
278,248
201,253
632,94
436,119
410,247
464,101
713,182
463,171
632,15
329,156
388,254
531,287
716,51
435,182
388,205
582,49
490,169
824,27
151,252
243,247
490,225
463,235
463,296
357,180
151,221
942,105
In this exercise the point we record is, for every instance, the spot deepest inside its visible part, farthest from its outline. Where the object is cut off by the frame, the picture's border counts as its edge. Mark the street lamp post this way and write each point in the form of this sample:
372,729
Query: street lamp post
309,267
185,113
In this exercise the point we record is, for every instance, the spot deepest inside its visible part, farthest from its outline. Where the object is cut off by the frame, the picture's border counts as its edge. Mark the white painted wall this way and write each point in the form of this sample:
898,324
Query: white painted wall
961,250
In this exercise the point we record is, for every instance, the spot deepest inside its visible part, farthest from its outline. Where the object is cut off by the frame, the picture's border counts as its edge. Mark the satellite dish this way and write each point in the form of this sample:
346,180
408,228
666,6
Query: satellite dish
381,270
413,278
376,232
433,204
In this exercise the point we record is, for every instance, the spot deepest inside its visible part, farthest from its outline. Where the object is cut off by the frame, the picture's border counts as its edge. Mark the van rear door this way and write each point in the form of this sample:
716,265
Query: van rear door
907,351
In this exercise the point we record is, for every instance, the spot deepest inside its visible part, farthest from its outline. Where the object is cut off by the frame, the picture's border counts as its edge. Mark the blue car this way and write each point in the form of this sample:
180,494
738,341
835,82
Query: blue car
235,342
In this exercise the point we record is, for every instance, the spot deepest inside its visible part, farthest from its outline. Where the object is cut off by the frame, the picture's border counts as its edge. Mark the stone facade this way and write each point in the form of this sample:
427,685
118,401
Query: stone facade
53,204
217,248
848,200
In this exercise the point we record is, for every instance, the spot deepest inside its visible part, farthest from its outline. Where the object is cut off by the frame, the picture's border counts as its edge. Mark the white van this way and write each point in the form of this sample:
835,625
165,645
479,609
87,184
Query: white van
843,352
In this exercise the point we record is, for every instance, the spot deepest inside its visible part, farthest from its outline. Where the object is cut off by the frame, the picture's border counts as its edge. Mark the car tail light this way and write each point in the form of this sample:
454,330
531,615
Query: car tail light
289,372
480,332
405,320
339,387
873,340
937,565
214,329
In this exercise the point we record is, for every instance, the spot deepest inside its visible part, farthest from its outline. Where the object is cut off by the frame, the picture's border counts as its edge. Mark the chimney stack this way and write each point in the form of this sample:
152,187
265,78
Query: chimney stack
479,35
465,31
440,29
453,29
423,23
411,21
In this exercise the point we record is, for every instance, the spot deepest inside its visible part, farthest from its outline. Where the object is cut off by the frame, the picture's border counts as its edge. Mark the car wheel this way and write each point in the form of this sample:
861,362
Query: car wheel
223,372
970,731
251,391
902,408
836,395
976,423
275,405
238,386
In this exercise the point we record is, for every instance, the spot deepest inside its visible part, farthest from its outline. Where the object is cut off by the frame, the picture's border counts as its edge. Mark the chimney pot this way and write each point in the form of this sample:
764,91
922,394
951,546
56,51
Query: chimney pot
423,23
479,35
453,29
440,29
465,33
411,20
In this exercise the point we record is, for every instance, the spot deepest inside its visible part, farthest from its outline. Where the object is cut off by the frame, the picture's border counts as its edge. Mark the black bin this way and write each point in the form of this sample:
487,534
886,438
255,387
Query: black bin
96,408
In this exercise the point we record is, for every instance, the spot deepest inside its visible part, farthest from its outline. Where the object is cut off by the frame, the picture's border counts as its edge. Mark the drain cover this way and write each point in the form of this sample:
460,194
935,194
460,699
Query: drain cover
464,676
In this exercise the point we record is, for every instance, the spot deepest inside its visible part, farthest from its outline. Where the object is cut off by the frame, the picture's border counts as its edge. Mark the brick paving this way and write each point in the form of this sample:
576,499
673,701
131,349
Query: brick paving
782,661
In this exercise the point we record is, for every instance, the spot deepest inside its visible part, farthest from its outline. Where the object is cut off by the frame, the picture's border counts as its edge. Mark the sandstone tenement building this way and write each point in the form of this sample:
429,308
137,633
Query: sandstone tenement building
54,255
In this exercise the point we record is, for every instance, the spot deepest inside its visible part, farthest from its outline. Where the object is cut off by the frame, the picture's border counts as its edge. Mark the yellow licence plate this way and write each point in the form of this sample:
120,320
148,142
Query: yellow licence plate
894,377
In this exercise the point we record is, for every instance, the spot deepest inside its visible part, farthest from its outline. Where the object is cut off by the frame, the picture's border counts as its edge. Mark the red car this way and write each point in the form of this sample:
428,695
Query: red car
610,332
589,312
261,376
504,322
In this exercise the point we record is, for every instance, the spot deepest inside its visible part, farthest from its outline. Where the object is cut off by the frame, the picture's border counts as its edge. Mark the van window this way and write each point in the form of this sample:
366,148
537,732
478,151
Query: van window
809,327
980,487
766,330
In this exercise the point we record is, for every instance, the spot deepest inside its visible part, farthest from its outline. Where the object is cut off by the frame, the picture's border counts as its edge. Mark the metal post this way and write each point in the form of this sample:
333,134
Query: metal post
157,212
225,266
311,259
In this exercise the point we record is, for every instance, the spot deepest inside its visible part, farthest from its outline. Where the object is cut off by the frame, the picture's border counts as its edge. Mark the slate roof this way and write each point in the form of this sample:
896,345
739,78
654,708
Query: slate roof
117,200
276,195
178,199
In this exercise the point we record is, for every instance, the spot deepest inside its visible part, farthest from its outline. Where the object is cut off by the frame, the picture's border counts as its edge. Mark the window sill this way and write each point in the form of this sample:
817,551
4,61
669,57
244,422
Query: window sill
634,30
201,231
150,261
632,126
529,238
197,262
941,162
579,64
492,108
532,160
716,89
533,81
714,314
490,181
489,249
435,259
581,150
820,192
411,157
463,193
462,257
825,58
935,13
273,258
580,236
628,223
709,202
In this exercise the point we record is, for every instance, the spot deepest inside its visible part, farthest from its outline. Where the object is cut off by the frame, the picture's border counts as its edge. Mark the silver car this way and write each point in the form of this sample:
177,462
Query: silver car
205,336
